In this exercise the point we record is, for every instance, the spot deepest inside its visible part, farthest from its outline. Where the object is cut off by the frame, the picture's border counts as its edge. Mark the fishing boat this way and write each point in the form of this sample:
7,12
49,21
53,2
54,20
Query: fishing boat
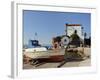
41,53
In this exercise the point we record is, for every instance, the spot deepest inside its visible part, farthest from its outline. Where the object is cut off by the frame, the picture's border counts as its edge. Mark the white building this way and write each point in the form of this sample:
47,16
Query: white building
70,28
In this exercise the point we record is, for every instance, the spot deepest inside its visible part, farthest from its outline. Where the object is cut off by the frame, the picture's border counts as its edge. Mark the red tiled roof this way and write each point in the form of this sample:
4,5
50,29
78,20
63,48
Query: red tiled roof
73,24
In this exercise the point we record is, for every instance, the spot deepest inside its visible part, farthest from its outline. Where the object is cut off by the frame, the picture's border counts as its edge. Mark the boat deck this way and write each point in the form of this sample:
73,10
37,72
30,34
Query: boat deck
44,54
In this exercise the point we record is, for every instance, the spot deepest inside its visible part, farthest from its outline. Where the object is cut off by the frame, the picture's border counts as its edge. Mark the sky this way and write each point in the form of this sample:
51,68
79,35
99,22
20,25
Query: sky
44,25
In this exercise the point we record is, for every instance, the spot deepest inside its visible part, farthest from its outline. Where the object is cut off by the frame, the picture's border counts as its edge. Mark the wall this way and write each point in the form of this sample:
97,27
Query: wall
71,30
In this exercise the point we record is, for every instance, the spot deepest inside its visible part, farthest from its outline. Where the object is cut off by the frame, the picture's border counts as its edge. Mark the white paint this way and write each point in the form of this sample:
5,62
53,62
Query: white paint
35,49
71,29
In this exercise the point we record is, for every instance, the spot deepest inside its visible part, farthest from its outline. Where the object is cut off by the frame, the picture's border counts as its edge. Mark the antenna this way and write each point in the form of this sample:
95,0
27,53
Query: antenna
35,36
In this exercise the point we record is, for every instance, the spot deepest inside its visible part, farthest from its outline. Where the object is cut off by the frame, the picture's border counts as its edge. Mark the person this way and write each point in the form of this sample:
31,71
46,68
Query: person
56,44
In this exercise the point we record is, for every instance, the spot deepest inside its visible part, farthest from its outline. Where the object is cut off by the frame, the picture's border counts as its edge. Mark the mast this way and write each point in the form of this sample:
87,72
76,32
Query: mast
66,29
